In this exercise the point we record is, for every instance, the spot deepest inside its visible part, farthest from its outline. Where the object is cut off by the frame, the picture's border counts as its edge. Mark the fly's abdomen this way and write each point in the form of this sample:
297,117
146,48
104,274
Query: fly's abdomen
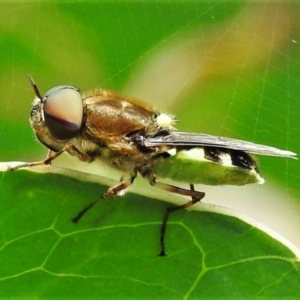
210,166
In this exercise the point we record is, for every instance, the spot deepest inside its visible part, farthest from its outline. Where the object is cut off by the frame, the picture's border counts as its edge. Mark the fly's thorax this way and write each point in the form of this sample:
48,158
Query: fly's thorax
111,114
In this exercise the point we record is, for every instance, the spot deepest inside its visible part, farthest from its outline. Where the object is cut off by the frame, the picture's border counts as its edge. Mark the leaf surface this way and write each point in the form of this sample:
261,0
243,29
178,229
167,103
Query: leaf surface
112,251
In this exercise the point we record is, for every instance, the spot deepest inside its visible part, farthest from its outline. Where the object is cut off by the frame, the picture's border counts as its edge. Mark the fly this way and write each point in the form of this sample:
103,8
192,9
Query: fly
132,137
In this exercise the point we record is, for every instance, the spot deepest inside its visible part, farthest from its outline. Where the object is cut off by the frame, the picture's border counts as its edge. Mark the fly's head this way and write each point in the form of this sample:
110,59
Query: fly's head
58,116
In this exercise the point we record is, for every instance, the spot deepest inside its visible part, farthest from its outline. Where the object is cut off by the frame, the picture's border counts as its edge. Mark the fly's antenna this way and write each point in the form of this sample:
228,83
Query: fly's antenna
35,88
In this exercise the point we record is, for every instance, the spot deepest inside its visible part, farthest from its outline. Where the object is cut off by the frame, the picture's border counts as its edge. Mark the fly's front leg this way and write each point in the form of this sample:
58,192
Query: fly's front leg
52,155
195,195
111,192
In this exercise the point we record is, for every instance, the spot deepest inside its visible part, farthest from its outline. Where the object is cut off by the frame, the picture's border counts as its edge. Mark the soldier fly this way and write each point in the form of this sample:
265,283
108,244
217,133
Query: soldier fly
131,136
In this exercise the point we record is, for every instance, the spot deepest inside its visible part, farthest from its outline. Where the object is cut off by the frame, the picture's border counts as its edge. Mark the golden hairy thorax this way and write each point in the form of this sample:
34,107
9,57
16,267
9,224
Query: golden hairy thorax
110,116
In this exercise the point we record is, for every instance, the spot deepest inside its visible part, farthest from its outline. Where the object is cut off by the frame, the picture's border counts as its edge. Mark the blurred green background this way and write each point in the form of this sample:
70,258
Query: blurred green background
228,69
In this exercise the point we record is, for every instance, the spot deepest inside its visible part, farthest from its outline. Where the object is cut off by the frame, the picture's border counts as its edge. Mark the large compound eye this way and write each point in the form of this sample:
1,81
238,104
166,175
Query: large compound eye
63,112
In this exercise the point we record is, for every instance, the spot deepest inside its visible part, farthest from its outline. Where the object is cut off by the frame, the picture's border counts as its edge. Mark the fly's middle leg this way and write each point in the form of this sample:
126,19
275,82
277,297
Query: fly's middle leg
112,192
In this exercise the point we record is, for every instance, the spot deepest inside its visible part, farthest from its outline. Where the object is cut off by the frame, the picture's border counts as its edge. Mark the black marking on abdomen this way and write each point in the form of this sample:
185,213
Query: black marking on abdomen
242,159
213,154
239,159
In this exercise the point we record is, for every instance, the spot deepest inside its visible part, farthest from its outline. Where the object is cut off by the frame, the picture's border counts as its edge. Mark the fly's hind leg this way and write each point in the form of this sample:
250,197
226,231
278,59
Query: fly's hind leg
195,195
111,192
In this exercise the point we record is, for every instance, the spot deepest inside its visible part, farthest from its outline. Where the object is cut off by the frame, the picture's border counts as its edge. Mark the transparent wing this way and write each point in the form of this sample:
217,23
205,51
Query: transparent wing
201,139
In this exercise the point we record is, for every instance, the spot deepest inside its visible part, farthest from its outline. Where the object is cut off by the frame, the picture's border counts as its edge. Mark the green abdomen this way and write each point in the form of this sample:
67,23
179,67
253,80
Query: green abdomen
210,166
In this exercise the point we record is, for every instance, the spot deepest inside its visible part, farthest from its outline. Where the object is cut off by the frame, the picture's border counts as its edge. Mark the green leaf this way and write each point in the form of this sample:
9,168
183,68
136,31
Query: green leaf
112,251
